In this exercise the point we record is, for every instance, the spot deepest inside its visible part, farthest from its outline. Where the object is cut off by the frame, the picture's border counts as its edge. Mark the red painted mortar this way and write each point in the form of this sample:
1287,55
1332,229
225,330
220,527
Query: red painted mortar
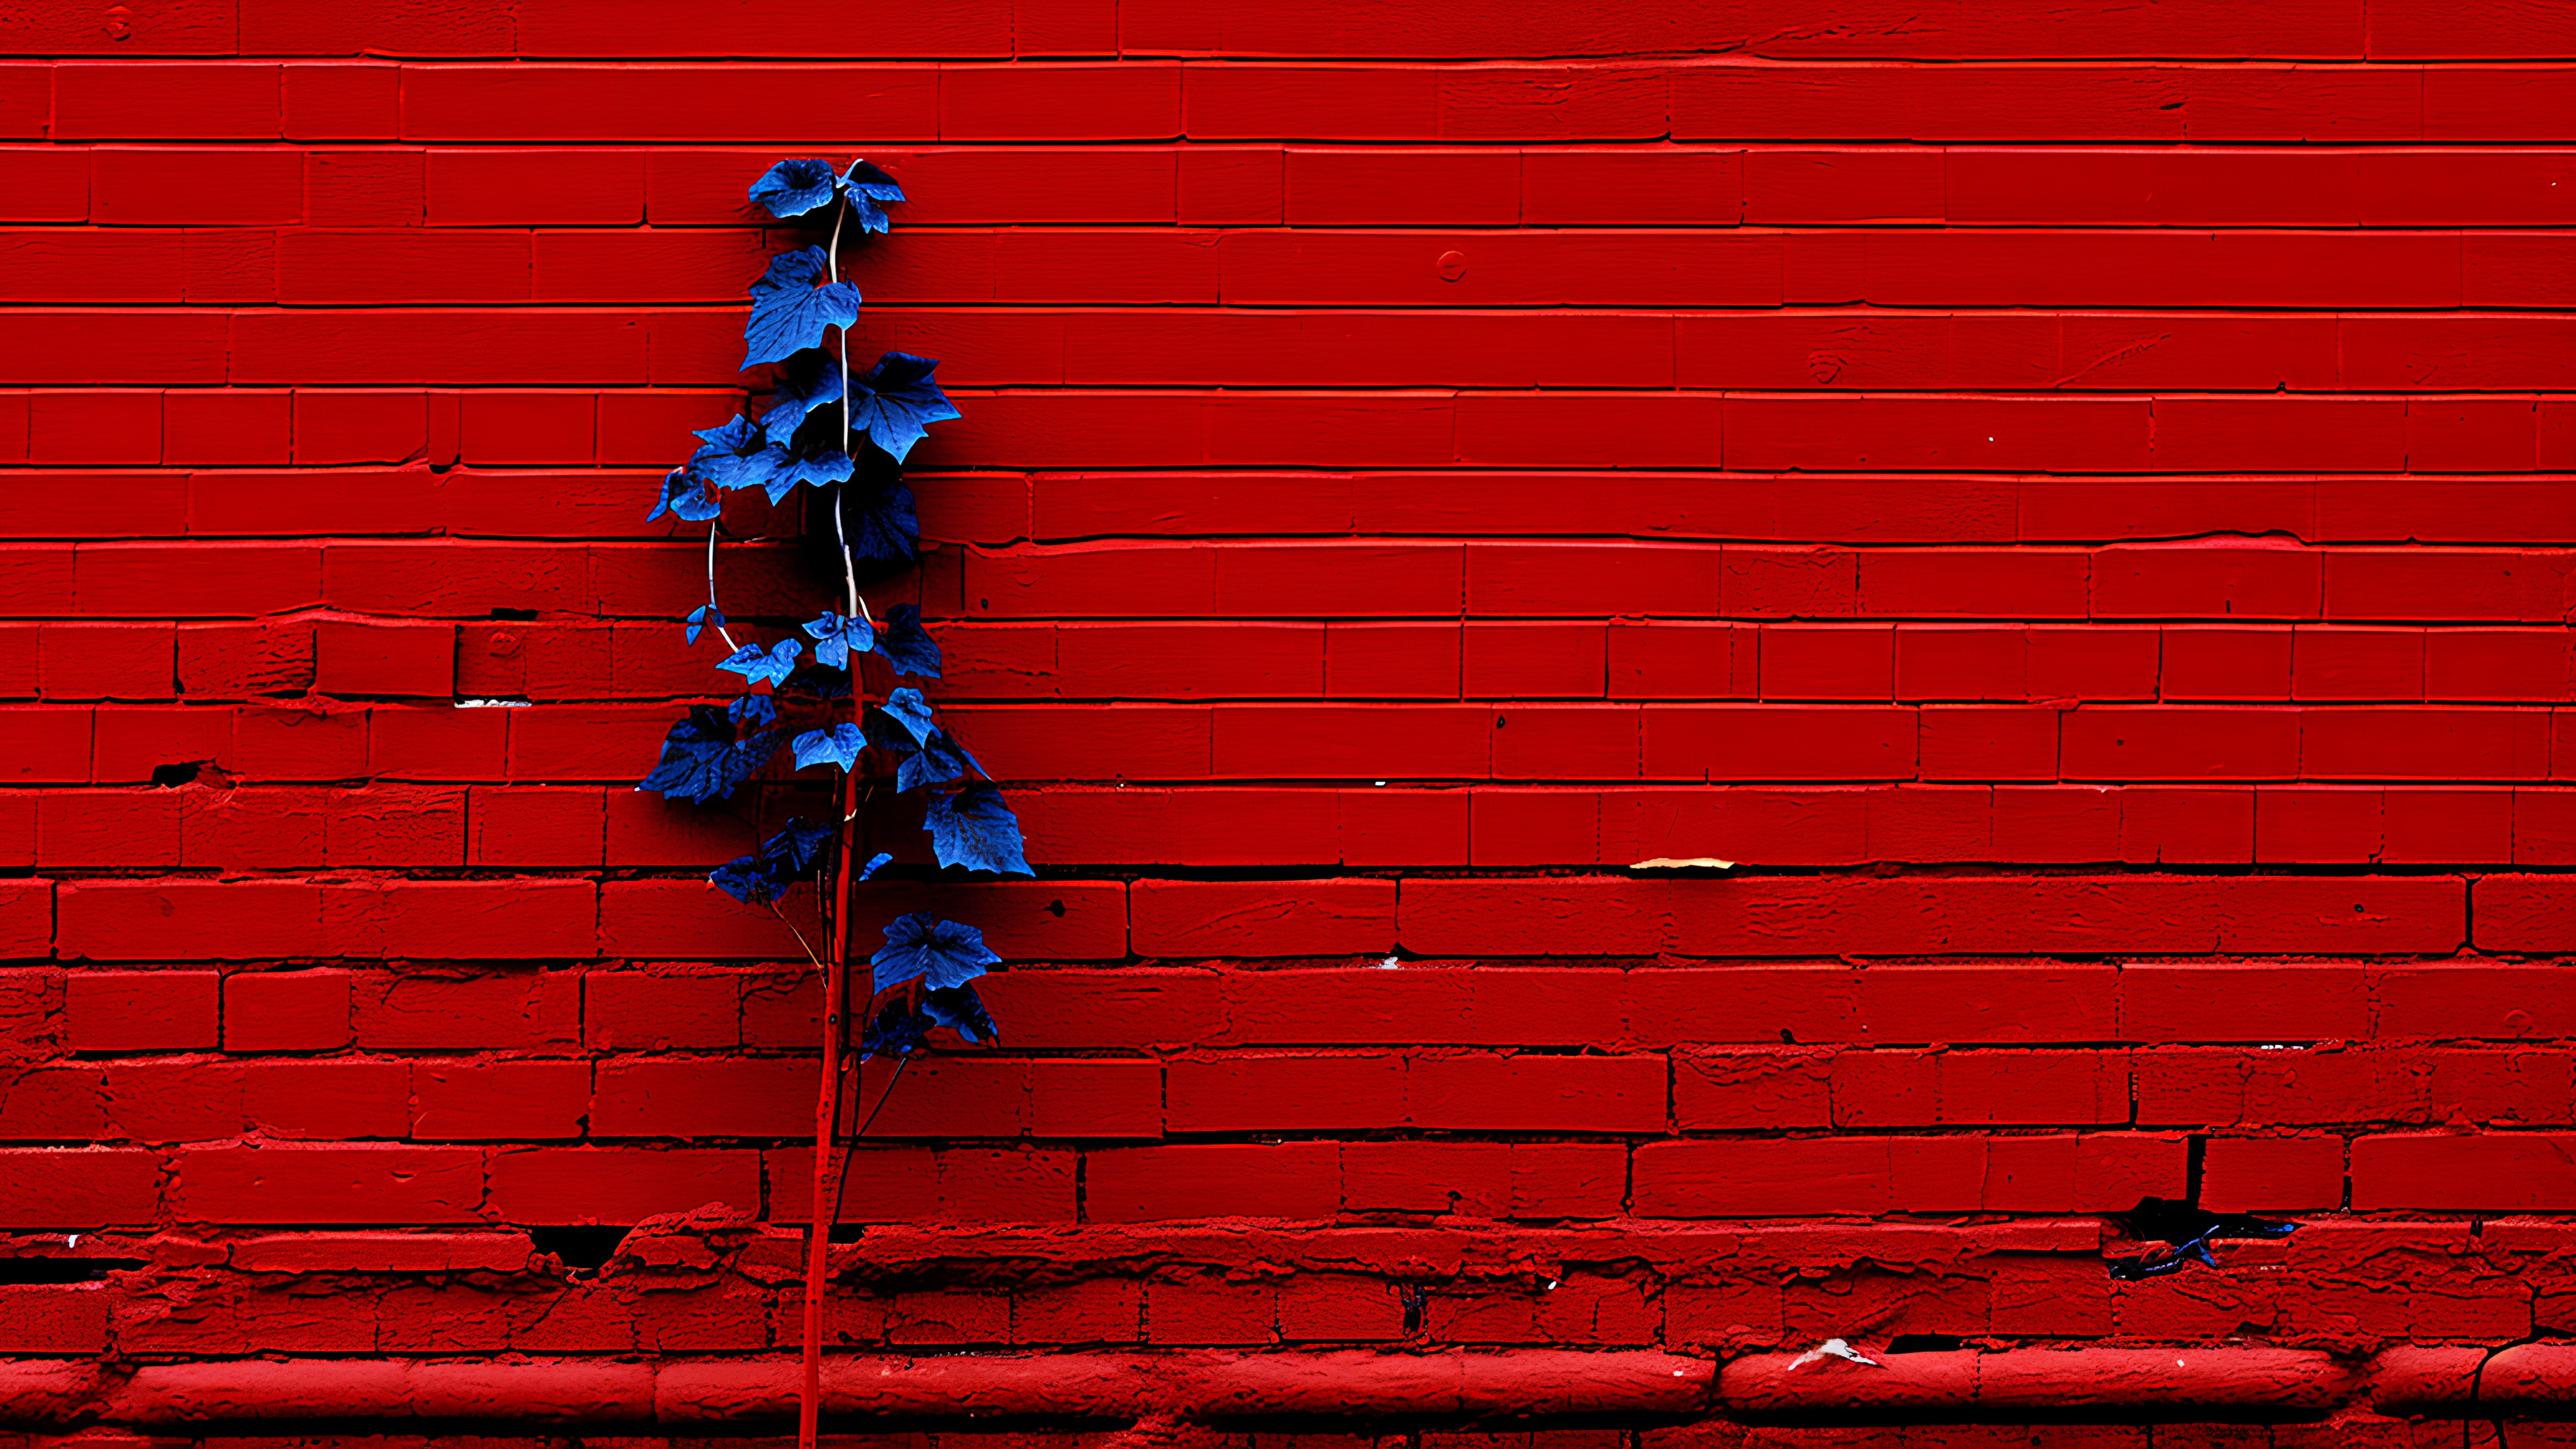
2076,502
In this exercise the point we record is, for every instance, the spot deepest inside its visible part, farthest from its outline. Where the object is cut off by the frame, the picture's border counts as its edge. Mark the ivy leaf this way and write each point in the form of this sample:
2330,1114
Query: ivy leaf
943,954
939,760
837,638
885,529
896,401
898,1030
793,188
837,745
685,495
708,755
876,862
961,1008
766,874
974,828
867,185
704,616
907,710
752,664
786,470
789,312
903,643
811,379
731,456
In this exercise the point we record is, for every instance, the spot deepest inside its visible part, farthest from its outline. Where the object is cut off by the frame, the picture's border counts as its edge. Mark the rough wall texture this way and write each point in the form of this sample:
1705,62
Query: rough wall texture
2075,498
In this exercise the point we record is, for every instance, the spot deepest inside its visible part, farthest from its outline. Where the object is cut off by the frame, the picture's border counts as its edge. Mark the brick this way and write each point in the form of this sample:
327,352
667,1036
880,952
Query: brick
70,1318
384,658
1752,1088
1783,1177
2494,1172
1537,1093
545,1185
336,1184
1092,1311
327,1099
140,1010
107,661
712,1097
1095,1099
463,1009
1183,918
478,1100
80,1188
2524,912
1141,1184
286,1010
637,1011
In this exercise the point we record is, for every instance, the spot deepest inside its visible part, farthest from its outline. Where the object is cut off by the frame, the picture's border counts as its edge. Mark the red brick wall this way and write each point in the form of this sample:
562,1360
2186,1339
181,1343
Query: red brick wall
2076,500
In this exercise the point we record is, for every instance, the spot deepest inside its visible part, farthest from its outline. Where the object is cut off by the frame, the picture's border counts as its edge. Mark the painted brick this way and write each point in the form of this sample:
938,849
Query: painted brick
2098,563
140,1010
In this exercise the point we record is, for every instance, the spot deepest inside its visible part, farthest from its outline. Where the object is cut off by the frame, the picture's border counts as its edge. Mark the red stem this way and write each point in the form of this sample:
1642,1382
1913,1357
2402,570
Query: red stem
827,1101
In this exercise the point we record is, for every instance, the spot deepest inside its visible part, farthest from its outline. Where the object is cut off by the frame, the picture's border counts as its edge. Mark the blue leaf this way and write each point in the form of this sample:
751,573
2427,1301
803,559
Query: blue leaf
786,470
876,863
793,188
703,758
837,745
811,379
836,639
685,495
752,664
866,186
976,829
871,181
903,643
731,456
961,1008
884,529
766,874
898,1030
751,711
736,436
704,616
939,760
942,953
789,312
896,401
908,709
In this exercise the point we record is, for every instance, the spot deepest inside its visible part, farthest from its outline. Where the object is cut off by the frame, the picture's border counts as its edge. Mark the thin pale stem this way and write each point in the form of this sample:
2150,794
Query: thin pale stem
713,611
840,501
799,935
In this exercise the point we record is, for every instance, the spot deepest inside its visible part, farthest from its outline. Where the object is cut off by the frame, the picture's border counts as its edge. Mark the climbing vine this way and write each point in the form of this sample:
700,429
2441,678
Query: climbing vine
843,434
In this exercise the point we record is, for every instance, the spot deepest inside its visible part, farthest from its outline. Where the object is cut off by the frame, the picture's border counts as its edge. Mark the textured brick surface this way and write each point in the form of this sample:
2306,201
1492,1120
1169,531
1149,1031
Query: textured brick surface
2077,502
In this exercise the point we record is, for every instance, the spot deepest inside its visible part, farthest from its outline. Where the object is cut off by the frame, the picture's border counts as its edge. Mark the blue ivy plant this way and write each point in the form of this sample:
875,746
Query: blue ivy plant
821,409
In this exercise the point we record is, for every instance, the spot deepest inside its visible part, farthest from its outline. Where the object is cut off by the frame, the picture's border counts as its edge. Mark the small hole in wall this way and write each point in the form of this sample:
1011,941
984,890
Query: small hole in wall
1056,909
175,774
62,1270
583,1249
